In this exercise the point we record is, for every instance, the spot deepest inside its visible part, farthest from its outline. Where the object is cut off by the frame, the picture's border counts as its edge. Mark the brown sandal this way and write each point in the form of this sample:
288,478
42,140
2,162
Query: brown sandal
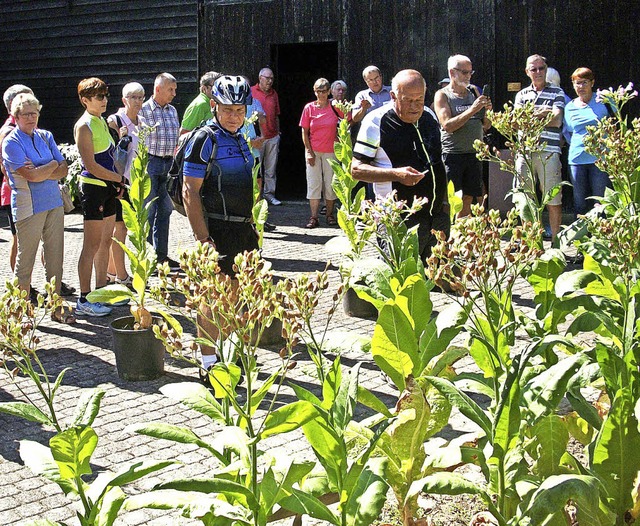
313,222
331,221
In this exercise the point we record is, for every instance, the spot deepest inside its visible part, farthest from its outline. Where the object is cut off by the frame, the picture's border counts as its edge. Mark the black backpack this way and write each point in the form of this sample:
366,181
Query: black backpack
175,179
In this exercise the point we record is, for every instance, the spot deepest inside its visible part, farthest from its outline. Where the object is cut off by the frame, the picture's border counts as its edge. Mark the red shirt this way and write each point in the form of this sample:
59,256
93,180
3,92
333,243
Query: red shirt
271,107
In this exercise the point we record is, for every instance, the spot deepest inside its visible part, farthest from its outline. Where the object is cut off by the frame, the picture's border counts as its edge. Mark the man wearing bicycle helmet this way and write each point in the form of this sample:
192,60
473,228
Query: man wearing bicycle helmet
218,187
218,204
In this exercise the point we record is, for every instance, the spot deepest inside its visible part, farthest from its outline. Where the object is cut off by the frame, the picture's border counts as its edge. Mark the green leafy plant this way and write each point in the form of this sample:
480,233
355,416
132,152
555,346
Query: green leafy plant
142,257
250,483
522,129
74,162
66,459
615,143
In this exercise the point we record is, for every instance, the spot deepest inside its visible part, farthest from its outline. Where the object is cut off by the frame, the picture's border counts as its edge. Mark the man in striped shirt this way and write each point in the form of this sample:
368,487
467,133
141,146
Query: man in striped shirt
158,112
546,165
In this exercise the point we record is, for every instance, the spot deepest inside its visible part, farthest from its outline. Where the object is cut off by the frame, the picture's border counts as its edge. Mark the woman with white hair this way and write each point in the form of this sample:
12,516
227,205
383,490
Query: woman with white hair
34,166
126,121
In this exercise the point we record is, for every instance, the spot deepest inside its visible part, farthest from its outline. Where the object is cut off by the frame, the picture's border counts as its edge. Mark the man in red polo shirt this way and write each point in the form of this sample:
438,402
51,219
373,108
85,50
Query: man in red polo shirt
264,92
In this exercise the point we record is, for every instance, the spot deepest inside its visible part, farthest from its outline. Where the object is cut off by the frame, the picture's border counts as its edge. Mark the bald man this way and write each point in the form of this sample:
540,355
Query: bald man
398,148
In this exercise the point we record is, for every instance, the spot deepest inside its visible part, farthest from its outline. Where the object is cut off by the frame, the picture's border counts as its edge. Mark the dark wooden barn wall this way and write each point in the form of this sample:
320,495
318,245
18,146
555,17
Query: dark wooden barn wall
50,45
498,35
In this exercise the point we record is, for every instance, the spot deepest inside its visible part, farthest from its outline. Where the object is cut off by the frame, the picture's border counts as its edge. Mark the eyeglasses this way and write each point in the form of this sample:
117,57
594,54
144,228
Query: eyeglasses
29,115
101,96
374,79
536,70
581,83
321,90
133,97
266,78
465,71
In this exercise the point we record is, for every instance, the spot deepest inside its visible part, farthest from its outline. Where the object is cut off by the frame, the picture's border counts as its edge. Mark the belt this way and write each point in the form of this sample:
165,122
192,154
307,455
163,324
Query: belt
163,157
90,180
233,219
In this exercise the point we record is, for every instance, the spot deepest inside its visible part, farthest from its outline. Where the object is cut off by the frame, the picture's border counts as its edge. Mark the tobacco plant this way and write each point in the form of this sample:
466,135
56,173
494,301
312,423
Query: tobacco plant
66,460
250,484
521,448
522,129
615,143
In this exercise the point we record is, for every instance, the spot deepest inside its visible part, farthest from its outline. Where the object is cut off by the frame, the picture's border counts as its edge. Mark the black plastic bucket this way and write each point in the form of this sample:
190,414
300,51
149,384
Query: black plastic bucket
139,354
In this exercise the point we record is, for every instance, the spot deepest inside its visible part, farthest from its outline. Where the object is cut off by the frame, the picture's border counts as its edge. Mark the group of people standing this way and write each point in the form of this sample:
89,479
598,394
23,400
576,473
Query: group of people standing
33,165
400,145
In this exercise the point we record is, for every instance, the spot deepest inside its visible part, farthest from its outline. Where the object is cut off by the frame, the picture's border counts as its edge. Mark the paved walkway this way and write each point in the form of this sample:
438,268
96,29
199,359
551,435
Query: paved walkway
86,348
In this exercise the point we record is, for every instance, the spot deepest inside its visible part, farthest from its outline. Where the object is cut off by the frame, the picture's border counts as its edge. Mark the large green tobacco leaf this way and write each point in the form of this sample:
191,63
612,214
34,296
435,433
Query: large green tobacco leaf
368,496
278,482
552,496
549,444
328,447
288,418
615,457
302,503
110,507
462,401
196,505
414,300
439,332
232,491
543,392
24,410
195,396
444,483
346,399
182,435
542,276
72,450
87,408
574,281
394,347
38,458
421,412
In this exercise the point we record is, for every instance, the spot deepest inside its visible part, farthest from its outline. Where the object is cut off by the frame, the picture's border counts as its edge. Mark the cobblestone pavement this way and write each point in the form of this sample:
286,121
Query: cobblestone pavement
86,349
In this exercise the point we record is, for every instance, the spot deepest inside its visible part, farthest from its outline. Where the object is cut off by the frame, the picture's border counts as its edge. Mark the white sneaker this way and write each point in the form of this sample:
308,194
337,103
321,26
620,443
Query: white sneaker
271,199
88,308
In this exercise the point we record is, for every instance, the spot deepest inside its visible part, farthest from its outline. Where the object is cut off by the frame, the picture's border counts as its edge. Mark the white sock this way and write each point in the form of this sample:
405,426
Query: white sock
209,360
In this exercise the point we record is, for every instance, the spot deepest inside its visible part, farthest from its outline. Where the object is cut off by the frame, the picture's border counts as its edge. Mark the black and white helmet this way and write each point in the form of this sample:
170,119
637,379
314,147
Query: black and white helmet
232,90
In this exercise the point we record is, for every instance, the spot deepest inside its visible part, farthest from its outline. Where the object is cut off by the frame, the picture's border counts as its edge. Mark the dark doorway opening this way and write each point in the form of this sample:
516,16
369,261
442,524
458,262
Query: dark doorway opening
297,67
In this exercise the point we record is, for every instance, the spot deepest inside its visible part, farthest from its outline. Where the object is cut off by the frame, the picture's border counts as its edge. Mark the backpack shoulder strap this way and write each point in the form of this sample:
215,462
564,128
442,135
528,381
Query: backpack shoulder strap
214,143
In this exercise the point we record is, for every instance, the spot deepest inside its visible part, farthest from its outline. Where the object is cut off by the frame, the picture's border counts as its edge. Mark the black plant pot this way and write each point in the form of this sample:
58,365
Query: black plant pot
356,307
272,335
139,354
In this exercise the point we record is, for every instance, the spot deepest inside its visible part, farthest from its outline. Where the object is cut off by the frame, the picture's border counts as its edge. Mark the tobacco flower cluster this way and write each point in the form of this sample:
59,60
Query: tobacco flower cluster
242,307
615,243
484,253
615,143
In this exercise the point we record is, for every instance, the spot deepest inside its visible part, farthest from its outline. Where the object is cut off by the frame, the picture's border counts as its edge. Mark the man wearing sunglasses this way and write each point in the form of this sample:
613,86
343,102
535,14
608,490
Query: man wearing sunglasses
547,99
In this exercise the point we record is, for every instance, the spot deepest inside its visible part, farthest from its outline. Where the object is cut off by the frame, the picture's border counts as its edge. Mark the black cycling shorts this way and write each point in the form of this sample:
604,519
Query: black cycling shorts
232,239
97,202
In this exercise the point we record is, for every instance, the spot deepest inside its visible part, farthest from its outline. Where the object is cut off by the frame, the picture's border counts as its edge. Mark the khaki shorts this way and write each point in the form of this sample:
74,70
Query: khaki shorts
547,170
319,177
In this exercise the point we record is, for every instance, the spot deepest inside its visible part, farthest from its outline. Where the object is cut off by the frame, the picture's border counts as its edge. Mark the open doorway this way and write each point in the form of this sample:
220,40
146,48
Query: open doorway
297,67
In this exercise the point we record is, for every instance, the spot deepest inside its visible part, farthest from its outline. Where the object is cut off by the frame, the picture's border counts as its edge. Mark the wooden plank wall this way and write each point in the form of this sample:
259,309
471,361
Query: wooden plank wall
50,45
498,35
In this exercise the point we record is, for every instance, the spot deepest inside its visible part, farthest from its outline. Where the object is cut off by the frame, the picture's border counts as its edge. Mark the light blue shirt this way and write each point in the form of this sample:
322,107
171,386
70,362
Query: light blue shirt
249,130
28,198
376,99
576,120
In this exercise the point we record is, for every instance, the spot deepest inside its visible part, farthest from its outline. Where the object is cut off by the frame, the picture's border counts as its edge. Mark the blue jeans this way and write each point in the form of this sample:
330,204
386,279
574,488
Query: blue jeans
587,180
160,210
